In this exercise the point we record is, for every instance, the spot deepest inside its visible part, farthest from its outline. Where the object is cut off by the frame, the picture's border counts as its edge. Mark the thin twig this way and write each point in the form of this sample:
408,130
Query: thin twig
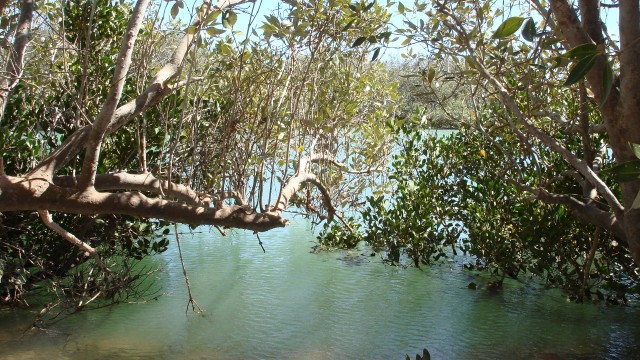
260,242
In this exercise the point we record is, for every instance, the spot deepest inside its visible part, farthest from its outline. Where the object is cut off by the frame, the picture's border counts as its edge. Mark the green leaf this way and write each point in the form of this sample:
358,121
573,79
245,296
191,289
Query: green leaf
175,9
407,41
582,51
431,74
579,70
192,30
229,19
411,25
625,172
226,49
212,31
607,82
213,16
348,26
368,7
508,27
636,150
375,54
359,41
529,30
636,202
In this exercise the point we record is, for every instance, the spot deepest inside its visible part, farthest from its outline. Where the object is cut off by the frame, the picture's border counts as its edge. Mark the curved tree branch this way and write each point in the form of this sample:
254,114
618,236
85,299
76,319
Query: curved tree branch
549,141
47,219
302,177
586,212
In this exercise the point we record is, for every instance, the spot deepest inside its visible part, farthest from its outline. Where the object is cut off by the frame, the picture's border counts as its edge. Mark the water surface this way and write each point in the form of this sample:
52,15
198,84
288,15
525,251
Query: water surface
288,303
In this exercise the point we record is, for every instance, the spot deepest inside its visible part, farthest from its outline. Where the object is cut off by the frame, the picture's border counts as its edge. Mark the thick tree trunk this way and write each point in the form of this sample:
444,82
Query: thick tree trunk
621,110
628,122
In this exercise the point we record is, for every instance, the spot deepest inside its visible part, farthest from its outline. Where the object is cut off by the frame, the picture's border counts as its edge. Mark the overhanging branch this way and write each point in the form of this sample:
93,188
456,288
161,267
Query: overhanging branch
23,194
159,88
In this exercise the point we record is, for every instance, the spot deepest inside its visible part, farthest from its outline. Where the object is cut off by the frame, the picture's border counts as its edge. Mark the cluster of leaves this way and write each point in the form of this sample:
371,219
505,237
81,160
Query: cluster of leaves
627,171
336,236
426,88
449,196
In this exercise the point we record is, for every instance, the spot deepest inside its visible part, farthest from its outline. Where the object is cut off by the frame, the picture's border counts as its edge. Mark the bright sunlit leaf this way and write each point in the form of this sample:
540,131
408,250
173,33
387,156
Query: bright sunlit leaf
508,27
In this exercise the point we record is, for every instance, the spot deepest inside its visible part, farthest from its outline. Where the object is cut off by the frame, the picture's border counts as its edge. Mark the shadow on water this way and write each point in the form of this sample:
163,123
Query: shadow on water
288,303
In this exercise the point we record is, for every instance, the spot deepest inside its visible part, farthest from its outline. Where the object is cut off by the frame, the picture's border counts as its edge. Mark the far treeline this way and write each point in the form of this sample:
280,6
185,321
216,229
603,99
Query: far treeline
121,119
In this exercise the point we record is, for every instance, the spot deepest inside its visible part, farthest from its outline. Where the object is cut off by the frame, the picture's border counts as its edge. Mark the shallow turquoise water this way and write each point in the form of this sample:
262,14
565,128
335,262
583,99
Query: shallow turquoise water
288,303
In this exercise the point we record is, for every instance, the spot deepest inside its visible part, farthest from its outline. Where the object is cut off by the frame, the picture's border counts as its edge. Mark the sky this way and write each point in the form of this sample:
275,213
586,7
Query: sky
266,7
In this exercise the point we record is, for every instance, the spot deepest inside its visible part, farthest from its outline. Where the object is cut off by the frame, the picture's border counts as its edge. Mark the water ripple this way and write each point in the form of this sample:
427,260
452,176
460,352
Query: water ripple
290,304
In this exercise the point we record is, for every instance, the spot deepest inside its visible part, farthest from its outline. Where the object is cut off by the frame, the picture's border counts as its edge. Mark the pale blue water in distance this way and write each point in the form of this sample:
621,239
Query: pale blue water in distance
292,304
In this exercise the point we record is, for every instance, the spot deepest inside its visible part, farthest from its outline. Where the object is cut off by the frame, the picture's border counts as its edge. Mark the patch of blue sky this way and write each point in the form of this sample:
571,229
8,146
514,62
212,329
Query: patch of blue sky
251,15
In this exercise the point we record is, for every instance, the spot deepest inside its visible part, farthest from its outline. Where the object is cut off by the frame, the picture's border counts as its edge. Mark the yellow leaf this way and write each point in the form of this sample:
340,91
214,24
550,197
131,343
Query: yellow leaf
483,153
300,148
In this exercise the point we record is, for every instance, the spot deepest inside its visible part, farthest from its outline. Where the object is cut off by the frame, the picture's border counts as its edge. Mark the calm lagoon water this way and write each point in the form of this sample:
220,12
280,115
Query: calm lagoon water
289,303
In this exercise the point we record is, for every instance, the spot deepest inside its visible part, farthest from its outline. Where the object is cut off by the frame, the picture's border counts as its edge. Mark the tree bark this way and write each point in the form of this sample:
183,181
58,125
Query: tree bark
101,124
14,66
621,110
22,194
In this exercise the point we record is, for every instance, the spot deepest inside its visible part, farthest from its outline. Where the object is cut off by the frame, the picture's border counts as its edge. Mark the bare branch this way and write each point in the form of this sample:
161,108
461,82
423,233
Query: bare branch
101,124
192,301
139,182
14,66
219,197
47,219
27,194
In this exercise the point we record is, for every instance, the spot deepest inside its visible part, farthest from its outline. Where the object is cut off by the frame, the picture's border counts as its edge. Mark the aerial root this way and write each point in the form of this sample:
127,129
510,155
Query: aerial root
192,301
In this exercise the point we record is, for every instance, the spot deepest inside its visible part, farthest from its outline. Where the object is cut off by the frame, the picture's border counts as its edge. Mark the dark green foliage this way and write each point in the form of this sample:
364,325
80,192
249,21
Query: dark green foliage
337,236
38,264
